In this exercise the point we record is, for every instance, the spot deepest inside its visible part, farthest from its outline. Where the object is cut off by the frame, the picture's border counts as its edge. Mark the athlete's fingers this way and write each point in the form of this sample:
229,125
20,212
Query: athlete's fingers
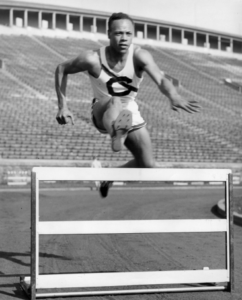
72,119
63,121
193,105
59,120
193,109
69,119
175,109
189,109
196,107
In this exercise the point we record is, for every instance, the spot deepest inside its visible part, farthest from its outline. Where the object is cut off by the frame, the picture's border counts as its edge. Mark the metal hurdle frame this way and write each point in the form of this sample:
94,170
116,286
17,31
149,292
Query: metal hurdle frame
123,279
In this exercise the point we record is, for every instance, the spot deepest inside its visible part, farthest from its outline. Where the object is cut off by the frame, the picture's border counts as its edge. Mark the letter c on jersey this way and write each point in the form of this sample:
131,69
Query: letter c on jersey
122,80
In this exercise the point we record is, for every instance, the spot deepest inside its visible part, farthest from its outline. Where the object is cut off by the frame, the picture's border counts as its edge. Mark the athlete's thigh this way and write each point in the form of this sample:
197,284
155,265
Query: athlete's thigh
139,144
98,110
113,105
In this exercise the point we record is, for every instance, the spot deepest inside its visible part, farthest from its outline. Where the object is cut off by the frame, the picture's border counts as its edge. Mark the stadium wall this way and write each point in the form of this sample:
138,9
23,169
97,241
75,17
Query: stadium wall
196,25
216,15
86,18
18,172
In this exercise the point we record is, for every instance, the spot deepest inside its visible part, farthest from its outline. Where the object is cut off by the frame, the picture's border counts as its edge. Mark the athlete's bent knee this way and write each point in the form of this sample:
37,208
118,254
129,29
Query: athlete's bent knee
148,163
115,101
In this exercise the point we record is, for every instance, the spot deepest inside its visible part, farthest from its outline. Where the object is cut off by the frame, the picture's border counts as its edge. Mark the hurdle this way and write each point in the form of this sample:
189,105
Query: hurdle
34,284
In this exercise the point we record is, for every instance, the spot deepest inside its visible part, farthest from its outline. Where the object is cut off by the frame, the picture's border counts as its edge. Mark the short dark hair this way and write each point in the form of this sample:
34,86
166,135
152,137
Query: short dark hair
118,16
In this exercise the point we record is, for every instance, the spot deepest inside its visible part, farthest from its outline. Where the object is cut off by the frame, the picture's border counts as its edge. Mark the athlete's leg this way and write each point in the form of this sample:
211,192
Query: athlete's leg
114,107
114,119
106,112
139,144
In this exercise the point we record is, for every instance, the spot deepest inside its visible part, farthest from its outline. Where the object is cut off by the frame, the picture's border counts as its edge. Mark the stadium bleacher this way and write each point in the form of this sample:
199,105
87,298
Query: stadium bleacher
215,66
29,106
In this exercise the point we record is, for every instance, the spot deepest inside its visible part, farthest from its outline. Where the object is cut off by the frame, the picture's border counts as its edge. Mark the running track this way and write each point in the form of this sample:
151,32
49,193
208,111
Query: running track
136,252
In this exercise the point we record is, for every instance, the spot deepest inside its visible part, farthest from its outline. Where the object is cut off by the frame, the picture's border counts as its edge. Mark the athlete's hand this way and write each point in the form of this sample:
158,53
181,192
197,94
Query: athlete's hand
64,116
190,106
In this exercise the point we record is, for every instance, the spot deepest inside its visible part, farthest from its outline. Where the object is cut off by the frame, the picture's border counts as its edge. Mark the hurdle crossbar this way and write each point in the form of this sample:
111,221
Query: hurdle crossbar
37,282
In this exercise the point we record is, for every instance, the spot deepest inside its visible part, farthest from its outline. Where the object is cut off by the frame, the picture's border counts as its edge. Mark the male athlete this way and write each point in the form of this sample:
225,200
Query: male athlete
116,72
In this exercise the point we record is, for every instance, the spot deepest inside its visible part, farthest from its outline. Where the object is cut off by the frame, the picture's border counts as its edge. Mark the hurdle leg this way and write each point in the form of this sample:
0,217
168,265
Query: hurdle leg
230,232
34,237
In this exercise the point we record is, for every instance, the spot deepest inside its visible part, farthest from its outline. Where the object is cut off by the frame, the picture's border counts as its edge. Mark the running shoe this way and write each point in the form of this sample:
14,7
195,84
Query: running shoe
104,188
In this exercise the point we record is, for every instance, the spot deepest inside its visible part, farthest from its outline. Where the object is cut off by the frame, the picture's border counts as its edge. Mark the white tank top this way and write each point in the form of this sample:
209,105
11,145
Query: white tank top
123,84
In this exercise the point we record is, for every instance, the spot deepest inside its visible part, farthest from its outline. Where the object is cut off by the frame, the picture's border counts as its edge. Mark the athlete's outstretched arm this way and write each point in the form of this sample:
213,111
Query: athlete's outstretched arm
147,64
79,64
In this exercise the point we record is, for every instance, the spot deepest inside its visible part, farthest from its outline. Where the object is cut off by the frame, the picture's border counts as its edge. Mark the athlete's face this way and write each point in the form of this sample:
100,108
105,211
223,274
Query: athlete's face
121,35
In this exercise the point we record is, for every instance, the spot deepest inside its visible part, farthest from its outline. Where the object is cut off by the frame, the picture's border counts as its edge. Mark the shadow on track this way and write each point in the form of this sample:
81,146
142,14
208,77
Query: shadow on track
11,256
17,293
214,210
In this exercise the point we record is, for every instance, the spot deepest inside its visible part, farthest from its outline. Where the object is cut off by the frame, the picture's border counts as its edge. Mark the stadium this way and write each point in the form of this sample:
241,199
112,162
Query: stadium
30,54
197,44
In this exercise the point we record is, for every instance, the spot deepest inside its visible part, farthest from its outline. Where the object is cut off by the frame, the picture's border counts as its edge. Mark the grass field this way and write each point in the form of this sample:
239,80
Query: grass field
112,253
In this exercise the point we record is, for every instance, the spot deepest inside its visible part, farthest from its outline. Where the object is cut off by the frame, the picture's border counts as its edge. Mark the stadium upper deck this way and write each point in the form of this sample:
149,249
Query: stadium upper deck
54,15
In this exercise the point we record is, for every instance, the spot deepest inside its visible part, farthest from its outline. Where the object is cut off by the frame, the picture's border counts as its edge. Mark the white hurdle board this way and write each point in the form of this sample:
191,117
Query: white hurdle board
37,282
